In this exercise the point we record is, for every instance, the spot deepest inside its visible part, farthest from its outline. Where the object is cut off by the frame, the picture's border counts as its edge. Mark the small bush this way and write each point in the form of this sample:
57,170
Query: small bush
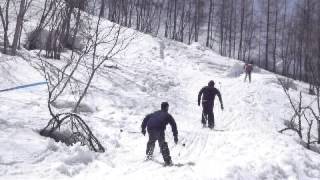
288,83
69,128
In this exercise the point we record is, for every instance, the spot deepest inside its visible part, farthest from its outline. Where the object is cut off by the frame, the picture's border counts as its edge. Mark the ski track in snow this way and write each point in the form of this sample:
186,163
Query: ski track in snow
152,70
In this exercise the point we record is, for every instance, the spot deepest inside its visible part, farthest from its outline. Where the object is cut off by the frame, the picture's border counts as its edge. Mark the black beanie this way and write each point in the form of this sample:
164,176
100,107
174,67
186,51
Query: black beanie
211,83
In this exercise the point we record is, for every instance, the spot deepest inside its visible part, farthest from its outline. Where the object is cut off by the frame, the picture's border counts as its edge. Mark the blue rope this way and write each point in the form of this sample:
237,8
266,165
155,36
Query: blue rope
23,86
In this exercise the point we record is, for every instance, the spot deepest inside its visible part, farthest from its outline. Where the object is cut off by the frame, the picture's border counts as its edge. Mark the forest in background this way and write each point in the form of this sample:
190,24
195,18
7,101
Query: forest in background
282,36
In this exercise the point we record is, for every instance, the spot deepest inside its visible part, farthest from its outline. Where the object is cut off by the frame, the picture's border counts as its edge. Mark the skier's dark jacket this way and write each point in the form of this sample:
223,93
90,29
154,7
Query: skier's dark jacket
158,121
208,94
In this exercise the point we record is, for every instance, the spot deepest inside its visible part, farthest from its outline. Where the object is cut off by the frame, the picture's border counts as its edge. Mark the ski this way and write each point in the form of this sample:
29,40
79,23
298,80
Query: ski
171,165
221,130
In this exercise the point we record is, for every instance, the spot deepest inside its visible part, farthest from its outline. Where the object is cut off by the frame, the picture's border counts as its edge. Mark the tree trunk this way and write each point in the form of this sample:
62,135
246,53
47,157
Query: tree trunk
241,30
284,58
19,25
275,40
4,14
209,24
267,37
230,27
197,21
174,34
182,21
222,9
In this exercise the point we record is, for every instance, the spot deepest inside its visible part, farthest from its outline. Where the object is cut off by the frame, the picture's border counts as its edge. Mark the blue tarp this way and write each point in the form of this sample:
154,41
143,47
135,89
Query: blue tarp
23,86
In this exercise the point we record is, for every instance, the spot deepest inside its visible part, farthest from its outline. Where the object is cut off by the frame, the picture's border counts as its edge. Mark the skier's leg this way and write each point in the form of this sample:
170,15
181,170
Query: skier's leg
211,120
151,143
250,77
213,124
211,117
165,153
245,77
203,120
164,149
204,114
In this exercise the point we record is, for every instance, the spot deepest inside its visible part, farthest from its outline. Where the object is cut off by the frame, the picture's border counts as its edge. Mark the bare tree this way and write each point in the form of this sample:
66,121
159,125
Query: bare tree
101,45
24,5
242,20
302,113
267,37
4,15
209,29
275,37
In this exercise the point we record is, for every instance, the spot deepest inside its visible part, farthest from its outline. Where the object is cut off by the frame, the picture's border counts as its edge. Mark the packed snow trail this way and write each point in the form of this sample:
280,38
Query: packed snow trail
150,71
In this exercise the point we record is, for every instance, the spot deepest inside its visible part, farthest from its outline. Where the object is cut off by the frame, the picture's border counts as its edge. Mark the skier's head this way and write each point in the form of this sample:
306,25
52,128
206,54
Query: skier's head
164,106
211,83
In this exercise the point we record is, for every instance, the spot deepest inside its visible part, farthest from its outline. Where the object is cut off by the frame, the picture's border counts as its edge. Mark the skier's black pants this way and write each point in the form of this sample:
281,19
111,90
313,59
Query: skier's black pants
207,113
158,135
247,74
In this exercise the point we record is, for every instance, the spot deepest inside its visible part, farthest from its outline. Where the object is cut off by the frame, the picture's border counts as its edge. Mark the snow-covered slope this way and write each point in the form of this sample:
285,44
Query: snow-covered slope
246,145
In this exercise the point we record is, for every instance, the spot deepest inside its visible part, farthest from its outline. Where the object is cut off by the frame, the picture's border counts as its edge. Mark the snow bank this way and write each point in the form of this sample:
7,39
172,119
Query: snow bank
68,105
235,71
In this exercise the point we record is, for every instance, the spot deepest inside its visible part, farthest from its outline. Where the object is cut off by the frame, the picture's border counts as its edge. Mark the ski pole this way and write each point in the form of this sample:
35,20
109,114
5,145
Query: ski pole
184,145
130,131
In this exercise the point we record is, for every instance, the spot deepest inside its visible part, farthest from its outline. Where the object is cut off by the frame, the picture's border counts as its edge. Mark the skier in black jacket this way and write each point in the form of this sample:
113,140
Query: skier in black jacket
208,94
156,125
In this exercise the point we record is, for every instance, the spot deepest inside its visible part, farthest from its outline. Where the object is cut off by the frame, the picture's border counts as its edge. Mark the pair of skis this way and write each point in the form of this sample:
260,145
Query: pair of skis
170,165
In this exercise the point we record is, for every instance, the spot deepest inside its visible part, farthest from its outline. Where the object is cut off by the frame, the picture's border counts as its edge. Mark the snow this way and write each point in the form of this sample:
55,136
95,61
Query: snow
246,145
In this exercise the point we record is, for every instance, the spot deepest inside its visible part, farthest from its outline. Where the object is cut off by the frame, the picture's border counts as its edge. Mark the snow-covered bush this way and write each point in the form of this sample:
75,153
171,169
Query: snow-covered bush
38,39
103,41
287,83
303,114
85,108
69,128
235,71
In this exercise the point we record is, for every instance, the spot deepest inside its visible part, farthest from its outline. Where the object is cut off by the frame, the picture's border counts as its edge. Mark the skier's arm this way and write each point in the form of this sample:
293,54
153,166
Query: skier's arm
174,128
199,96
220,99
144,124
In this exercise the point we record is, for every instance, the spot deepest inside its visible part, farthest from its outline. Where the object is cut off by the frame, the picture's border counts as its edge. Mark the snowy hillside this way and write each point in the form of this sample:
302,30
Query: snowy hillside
249,147
246,144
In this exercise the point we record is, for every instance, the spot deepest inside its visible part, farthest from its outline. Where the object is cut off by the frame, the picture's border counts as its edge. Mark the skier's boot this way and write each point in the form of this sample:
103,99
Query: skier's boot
149,157
168,163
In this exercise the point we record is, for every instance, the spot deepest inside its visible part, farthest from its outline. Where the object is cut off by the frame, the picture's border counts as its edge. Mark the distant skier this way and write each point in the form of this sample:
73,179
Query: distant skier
156,124
248,67
208,94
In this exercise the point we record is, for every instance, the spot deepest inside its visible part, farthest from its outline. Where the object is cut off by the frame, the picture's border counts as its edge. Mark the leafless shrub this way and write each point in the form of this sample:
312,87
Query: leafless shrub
301,114
101,44
70,128
287,83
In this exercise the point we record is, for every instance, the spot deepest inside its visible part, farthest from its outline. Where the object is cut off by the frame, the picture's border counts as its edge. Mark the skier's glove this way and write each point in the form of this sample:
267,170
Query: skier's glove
143,131
176,139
